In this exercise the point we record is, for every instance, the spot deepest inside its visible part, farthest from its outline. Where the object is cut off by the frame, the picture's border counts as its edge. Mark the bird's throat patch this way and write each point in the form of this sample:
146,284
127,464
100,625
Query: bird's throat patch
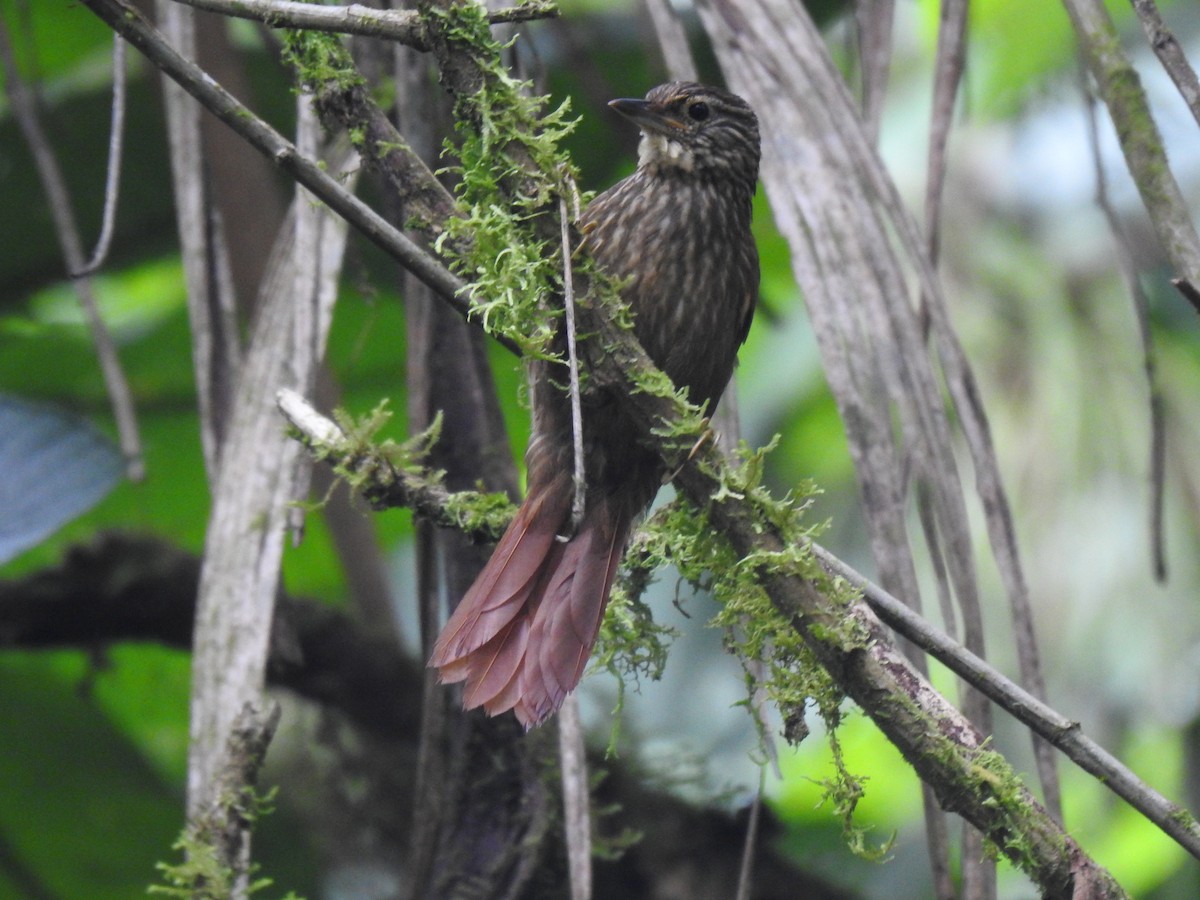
660,150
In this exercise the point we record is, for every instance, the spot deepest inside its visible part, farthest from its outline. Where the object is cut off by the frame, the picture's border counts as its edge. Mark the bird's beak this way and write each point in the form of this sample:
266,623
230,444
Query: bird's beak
647,115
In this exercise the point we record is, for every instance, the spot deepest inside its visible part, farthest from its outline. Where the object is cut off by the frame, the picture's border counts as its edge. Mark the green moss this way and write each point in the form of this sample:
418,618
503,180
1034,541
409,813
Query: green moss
511,171
202,875
320,60
474,512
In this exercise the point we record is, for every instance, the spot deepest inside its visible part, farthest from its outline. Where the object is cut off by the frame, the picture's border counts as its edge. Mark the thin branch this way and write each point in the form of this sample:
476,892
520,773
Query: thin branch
112,180
24,108
951,59
579,475
1062,732
404,26
750,844
1170,54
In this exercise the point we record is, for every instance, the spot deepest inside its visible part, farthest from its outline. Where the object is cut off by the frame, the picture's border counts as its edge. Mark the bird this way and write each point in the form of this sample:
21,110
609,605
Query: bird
676,236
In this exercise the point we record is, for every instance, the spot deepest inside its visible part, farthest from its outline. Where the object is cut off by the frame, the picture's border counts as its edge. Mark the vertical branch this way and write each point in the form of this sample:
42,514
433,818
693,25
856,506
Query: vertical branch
216,355
579,476
24,107
254,488
576,819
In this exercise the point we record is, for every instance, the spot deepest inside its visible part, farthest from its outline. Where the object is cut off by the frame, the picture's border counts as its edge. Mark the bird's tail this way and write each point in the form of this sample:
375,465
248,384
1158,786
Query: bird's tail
522,633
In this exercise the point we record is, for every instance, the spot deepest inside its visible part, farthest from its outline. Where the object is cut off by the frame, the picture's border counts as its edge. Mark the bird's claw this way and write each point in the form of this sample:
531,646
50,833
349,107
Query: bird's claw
707,437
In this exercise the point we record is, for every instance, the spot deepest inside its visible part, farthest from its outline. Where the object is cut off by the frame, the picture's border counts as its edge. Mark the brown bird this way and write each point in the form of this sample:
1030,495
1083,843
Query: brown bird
676,234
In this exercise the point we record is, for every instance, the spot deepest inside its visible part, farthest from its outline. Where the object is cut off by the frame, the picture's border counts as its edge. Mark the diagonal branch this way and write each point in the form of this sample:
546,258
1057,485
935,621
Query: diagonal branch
1140,140
125,19
1166,47
389,487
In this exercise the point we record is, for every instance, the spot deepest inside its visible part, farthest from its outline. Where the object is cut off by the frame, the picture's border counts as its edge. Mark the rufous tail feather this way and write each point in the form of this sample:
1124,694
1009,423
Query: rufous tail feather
521,635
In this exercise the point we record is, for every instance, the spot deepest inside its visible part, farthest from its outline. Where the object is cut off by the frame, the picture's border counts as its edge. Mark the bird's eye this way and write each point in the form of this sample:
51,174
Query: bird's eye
698,111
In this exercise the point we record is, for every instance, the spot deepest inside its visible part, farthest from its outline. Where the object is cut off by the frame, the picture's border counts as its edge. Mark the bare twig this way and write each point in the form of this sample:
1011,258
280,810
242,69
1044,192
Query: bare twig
112,181
403,26
580,474
951,58
1170,54
750,844
24,107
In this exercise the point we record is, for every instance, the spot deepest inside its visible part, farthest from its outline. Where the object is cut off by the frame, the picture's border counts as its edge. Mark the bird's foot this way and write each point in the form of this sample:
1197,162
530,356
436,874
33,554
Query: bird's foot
707,437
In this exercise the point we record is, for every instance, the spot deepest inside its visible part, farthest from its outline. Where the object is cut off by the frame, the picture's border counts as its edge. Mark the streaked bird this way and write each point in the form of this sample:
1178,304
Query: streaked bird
676,234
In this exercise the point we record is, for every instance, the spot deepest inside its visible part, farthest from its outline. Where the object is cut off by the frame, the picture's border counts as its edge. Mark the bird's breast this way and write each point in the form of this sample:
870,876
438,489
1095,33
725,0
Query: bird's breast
683,248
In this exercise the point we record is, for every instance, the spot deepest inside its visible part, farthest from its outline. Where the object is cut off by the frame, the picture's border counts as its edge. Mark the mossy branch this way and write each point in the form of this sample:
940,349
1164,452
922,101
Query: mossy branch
847,639
390,475
215,843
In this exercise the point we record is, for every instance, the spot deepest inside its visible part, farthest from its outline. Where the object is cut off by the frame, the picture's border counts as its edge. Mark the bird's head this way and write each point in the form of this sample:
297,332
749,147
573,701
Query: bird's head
695,128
